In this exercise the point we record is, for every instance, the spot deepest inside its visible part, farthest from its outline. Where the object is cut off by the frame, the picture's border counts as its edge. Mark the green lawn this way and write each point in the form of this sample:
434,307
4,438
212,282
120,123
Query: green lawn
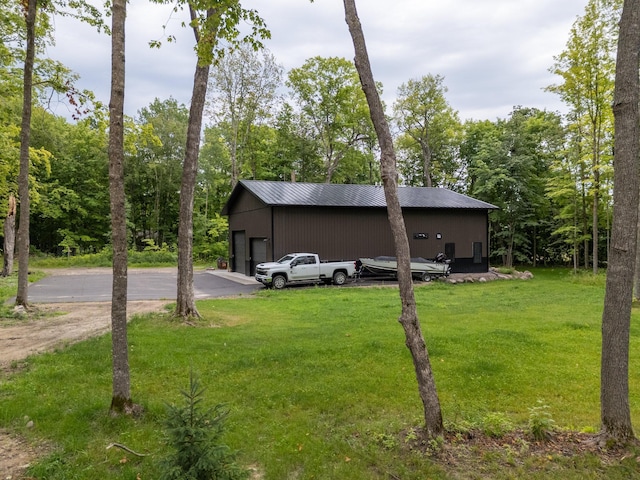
320,385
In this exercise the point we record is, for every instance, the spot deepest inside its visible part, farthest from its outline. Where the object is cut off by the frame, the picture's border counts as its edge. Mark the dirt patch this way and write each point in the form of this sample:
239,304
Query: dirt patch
476,455
58,325
15,456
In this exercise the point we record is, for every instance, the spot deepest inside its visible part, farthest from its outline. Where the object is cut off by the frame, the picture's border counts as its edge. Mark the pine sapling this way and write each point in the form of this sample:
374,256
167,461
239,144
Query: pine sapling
195,438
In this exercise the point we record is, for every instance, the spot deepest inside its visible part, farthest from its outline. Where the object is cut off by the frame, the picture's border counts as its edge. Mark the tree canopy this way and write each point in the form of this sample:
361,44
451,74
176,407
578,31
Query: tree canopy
550,174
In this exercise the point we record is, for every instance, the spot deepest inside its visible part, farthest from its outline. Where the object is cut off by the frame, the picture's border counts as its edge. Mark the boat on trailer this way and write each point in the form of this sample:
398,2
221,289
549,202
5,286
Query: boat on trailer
422,268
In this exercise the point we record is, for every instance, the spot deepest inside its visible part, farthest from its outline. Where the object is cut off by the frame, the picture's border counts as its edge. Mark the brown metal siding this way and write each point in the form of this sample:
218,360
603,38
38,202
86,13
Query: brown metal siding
462,227
251,216
349,233
333,233
343,233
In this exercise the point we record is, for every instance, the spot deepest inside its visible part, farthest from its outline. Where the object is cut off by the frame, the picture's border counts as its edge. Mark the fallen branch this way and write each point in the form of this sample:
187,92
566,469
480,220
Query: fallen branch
127,449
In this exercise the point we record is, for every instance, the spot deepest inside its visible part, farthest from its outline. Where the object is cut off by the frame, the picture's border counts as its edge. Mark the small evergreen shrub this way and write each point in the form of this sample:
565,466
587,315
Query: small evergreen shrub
195,440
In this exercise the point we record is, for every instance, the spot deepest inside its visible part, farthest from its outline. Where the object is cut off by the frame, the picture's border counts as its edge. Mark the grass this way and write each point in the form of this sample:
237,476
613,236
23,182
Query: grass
320,385
135,258
8,289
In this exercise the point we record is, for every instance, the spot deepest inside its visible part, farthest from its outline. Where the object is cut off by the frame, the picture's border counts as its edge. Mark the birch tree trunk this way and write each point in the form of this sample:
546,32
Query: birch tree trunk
616,317
9,238
409,316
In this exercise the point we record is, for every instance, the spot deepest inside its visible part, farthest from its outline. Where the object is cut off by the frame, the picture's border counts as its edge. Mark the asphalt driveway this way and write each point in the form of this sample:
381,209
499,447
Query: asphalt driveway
94,285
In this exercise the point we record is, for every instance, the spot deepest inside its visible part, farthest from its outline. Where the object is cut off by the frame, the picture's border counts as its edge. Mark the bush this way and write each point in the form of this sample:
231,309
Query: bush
195,438
150,256
541,423
496,424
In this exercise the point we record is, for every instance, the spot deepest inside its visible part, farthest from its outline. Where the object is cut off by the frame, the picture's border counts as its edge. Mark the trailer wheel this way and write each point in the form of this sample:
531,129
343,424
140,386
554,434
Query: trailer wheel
339,278
426,277
279,282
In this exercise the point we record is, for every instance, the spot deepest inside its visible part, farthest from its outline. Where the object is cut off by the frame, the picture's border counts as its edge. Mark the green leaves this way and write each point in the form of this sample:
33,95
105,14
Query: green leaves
333,105
430,133
215,24
195,438
508,164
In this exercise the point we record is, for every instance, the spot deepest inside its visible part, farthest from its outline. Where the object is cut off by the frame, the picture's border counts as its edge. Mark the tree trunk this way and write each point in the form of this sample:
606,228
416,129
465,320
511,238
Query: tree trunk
636,282
426,163
585,227
595,220
409,317
616,317
576,243
121,399
185,304
25,140
9,238
535,247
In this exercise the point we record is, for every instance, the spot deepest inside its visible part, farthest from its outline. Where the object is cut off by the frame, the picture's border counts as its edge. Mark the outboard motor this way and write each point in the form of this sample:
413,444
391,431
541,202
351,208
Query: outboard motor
440,258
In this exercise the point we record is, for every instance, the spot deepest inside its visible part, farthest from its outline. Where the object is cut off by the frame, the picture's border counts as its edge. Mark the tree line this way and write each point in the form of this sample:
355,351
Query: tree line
551,175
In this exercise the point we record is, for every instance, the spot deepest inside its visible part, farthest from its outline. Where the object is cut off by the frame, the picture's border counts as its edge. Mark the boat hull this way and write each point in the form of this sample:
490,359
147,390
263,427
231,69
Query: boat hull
420,267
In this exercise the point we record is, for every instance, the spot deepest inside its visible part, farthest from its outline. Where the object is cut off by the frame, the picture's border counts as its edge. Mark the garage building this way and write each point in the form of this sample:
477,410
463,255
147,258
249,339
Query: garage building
269,219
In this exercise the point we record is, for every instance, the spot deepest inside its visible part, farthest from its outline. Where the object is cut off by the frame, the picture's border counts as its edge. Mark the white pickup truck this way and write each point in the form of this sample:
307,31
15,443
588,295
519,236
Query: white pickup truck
303,267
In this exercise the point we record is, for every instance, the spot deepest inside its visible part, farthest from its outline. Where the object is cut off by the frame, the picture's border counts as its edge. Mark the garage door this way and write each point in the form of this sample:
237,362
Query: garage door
258,253
239,252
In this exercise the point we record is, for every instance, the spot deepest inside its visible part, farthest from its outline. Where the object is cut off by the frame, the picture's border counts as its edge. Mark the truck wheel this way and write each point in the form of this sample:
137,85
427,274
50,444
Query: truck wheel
426,277
339,278
279,282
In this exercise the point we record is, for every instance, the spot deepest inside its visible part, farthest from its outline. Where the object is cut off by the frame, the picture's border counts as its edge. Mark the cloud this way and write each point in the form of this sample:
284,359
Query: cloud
494,54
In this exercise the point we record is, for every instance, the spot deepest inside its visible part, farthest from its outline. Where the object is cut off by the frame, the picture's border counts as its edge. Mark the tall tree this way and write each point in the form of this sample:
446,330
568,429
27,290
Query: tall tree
297,156
212,21
409,317
154,171
509,168
185,303
616,317
328,93
243,87
587,71
121,398
34,36
430,131
25,138
565,193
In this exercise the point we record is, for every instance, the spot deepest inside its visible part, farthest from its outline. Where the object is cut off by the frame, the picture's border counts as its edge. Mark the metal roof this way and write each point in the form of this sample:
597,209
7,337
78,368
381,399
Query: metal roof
334,195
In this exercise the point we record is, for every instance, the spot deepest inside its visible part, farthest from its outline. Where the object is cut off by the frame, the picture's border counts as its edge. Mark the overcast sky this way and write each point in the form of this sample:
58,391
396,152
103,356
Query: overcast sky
493,54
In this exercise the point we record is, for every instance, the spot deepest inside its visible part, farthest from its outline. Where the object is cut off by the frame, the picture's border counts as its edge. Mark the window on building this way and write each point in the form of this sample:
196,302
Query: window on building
477,252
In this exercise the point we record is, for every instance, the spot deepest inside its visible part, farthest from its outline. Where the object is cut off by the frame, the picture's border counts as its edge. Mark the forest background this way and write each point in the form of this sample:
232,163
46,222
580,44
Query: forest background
550,174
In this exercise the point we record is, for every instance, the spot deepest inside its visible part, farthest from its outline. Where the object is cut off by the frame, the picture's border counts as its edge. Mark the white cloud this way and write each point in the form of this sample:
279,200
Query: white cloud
493,54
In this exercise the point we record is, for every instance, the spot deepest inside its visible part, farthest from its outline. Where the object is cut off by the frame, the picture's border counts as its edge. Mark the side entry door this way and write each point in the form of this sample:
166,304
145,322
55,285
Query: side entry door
258,251
239,252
